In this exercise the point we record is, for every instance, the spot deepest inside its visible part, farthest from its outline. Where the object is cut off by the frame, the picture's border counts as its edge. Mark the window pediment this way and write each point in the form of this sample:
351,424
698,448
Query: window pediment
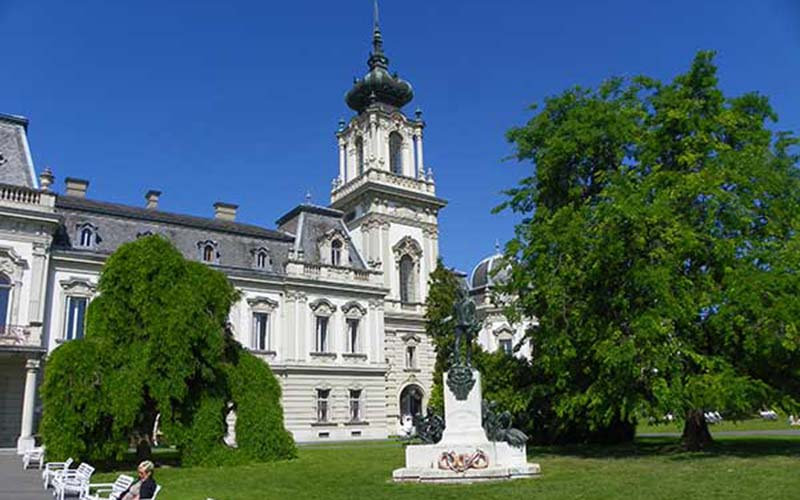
79,286
322,385
411,338
262,304
322,307
407,246
11,264
504,331
354,309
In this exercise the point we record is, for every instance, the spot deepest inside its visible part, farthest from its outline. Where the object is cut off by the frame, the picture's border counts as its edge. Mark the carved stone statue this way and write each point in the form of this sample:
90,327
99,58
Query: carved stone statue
466,326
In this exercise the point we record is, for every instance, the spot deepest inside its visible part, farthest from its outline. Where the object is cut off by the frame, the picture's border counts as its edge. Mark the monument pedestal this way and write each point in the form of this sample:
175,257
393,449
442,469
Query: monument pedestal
464,454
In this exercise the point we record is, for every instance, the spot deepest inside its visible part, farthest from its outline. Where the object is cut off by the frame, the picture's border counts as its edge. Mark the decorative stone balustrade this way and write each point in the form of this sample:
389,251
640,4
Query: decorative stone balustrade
423,185
29,198
332,273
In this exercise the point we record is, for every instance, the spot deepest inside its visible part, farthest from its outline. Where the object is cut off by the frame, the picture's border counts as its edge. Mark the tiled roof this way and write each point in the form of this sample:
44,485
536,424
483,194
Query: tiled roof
146,214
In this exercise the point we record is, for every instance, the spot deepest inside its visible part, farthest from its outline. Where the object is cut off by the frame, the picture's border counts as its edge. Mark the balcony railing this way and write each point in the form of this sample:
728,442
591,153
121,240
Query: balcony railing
11,195
14,335
421,185
334,273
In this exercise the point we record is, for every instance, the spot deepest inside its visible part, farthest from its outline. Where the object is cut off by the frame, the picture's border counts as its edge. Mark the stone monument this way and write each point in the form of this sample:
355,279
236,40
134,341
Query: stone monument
464,453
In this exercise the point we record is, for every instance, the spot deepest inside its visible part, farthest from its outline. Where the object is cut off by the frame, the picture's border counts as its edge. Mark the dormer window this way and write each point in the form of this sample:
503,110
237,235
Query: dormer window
87,235
208,251
262,259
334,248
336,252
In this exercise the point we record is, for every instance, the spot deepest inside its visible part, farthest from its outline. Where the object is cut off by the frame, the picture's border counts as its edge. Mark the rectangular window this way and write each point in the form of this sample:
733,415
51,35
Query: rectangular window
352,335
322,334
323,414
76,315
411,356
506,346
355,405
260,337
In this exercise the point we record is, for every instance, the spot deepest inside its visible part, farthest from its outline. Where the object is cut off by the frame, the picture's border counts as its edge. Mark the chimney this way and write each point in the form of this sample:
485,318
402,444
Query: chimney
76,187
225,211
152,199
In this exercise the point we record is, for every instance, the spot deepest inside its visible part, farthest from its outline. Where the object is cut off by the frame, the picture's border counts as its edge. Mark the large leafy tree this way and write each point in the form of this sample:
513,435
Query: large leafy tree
659,250
157,343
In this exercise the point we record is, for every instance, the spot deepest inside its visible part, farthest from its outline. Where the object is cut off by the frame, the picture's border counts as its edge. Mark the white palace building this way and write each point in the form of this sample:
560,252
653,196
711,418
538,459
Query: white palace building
332,298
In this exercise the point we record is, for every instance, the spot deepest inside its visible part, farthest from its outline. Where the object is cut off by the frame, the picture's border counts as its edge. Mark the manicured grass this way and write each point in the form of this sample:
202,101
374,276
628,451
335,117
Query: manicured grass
652,469
753,424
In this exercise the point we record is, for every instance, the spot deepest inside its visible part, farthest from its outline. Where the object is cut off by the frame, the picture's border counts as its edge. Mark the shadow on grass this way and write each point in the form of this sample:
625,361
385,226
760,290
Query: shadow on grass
670,447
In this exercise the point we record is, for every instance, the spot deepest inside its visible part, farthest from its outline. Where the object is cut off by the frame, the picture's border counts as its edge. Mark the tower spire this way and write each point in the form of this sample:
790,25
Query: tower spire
377,38
378,86
377,58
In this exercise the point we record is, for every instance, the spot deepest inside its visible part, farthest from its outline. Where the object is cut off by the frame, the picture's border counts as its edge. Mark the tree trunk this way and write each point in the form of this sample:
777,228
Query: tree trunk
695,431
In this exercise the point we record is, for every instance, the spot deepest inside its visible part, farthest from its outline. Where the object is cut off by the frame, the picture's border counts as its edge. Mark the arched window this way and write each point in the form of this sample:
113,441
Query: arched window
86,235
411,401
407,279
359,156
5,300
208,253
262,259
396,153
336,252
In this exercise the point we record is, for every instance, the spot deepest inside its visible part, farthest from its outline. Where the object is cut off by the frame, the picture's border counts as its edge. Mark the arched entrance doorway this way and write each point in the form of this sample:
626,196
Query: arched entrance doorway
411,401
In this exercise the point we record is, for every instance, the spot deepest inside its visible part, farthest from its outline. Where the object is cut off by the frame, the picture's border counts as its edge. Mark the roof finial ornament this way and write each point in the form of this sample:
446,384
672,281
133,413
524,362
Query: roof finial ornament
308,197
377,38
496,245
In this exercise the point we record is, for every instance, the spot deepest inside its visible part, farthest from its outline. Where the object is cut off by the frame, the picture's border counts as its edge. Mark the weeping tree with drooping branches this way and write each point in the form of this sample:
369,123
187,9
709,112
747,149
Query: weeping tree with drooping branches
157,343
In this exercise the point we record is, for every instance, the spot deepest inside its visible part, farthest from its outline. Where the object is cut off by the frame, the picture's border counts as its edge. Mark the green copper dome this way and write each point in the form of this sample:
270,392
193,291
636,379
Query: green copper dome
378,85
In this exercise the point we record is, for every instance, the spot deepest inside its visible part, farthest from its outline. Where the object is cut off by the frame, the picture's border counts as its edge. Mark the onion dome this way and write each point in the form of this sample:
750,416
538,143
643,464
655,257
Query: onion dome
378,85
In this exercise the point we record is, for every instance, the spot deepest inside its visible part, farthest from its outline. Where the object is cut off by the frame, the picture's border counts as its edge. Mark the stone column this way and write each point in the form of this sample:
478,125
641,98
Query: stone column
342,162
374,142
388,261
408,158
302,330
25,440
374,244
420,162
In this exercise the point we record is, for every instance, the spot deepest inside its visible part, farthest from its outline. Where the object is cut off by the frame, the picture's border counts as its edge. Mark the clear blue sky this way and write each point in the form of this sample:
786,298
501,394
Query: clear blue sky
238,101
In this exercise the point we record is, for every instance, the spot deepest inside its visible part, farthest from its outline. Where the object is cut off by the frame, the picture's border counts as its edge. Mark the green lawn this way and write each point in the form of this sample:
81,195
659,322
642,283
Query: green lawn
753,424
652,469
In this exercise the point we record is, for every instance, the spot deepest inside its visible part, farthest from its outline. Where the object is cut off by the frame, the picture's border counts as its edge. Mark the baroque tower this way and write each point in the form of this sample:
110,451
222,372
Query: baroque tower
388,196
